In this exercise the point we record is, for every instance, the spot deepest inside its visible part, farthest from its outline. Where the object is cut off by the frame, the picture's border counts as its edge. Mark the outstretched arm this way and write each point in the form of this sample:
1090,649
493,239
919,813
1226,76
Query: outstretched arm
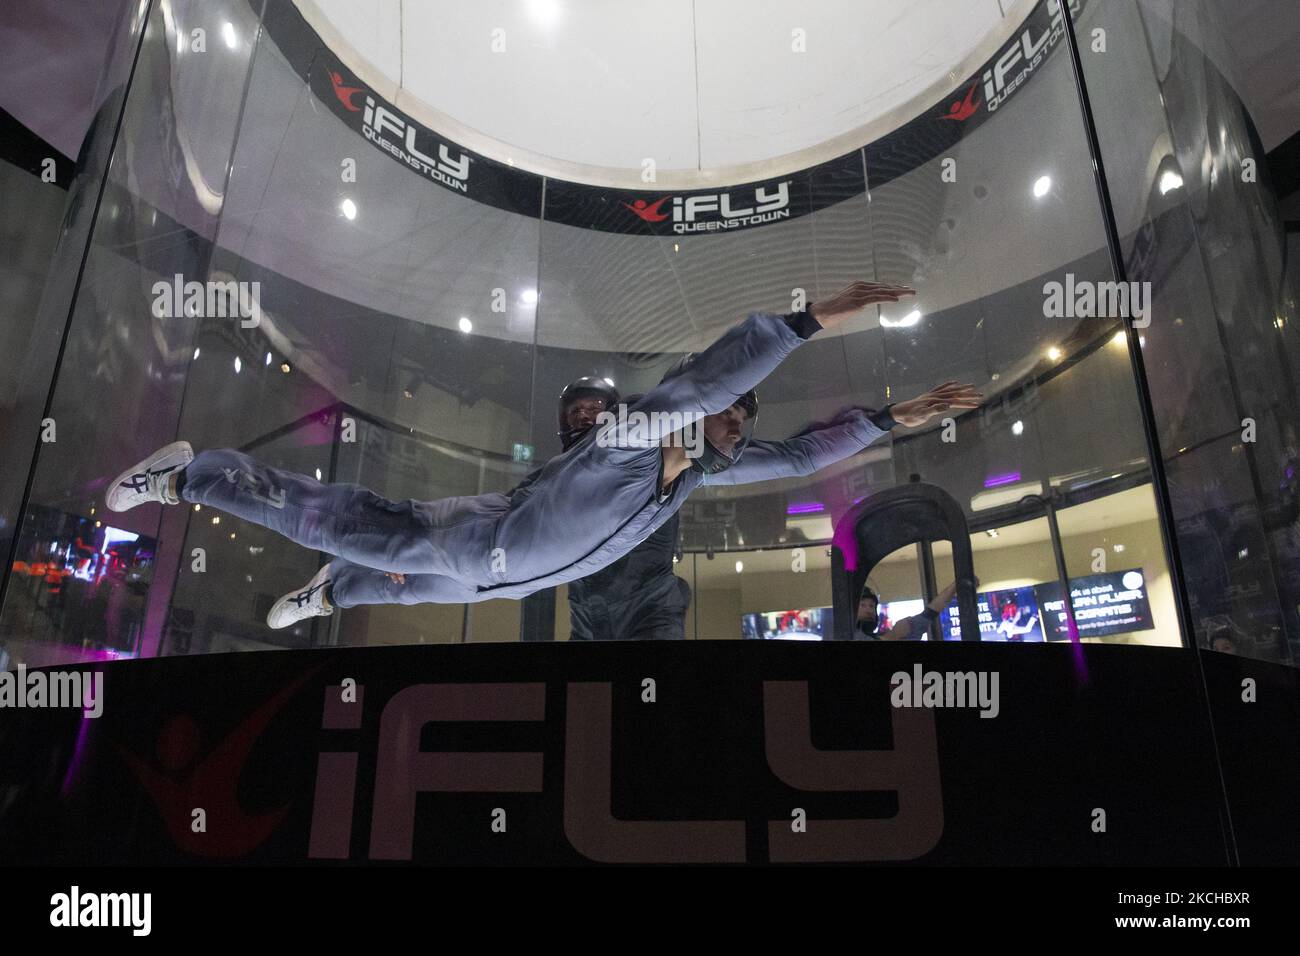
912,628
851,431
736,363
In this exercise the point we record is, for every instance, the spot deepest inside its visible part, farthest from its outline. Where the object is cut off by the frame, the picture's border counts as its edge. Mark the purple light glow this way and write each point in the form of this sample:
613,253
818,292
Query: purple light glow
811,507
994,480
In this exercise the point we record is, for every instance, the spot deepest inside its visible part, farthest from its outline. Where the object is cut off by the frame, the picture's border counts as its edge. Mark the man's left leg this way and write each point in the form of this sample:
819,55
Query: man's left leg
342,583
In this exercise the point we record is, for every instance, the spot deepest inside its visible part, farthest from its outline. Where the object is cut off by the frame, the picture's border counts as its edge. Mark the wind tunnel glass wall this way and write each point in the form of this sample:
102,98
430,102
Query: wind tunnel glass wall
1198,221
405,336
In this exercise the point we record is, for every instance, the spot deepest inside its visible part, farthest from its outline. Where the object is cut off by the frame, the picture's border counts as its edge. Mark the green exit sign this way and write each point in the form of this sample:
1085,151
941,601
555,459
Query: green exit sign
522,452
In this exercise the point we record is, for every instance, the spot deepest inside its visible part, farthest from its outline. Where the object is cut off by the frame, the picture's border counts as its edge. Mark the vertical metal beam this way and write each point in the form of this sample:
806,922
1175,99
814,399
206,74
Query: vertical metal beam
929,586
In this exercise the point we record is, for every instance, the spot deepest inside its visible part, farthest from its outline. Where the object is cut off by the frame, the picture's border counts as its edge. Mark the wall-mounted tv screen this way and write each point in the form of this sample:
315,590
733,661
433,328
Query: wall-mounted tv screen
1112,603
805,624
1011,615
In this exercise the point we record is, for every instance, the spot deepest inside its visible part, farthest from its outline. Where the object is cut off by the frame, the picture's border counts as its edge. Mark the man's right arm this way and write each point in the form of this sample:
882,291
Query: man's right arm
914,627
715,380
738,362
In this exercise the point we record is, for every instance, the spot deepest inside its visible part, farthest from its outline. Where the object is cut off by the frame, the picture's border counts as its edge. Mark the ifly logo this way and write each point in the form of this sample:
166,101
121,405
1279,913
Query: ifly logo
650,212
961,110
182,778
345,93
712,212
403,771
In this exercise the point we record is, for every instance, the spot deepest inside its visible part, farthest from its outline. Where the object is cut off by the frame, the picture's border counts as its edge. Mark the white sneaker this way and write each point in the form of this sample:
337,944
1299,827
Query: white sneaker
146,481
305,603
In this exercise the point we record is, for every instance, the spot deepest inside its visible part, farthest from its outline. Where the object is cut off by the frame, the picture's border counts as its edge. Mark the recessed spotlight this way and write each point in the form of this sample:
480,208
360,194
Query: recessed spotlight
216,519
1042,185
529,297
1018,428
284,367
196,354
268,358
1054,353
466,325
228,33
349,208
740,566
318,474
238,365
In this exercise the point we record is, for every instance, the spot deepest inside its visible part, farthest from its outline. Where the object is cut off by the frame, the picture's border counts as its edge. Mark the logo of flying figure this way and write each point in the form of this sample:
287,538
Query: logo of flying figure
581,511
963,109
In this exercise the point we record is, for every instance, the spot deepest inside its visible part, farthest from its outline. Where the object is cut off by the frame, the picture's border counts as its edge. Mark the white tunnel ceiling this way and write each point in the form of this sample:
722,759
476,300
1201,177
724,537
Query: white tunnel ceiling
589,89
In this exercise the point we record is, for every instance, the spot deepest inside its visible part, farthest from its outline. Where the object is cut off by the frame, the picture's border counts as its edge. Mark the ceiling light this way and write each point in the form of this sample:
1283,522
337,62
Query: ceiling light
466,325
1169,180
349,208
544,12
906,321
1041,186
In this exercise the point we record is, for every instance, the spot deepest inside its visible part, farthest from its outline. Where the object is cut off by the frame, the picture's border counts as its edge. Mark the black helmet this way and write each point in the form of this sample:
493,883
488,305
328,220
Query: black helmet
587,386
711,459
